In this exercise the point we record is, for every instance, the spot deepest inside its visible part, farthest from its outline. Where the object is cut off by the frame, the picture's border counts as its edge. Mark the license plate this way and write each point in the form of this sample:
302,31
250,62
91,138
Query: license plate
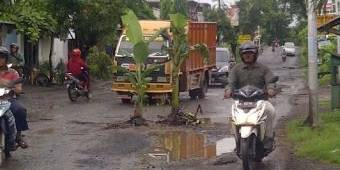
248,104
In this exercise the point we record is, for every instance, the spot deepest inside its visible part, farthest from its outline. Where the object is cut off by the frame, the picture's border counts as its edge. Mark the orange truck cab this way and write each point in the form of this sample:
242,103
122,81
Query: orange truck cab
194,73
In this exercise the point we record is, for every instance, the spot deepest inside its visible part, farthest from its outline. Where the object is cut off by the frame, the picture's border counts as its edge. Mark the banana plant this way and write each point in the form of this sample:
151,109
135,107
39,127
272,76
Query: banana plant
140,77
179,51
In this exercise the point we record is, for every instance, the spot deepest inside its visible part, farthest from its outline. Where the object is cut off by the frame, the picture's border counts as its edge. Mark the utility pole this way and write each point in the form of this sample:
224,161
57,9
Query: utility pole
337,14
220,36
313,118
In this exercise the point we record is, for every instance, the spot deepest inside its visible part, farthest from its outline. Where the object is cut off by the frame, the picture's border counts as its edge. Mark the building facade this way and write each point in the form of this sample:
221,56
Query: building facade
34,53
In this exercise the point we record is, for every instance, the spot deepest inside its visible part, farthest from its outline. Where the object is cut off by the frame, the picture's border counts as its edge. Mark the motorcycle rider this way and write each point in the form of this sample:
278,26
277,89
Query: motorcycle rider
8,75
78,68
17,60
14,57
250,72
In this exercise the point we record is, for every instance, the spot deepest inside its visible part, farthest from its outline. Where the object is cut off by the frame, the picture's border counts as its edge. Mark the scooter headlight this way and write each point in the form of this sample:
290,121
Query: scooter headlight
248,116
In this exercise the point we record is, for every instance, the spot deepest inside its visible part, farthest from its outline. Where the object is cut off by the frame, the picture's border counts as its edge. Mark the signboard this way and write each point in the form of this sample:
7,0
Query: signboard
244,38
323,19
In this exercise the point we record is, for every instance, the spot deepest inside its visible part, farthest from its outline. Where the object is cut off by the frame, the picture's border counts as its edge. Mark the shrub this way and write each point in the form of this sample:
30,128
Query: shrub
100,64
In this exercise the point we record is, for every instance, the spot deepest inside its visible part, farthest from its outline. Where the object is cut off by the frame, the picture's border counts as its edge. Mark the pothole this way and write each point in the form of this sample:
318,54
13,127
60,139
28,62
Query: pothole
182,145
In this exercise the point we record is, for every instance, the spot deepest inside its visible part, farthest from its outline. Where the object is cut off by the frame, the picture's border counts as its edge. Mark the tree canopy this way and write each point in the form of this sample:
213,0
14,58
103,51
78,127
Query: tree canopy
31,18
226,33
171,7
273,16
93,21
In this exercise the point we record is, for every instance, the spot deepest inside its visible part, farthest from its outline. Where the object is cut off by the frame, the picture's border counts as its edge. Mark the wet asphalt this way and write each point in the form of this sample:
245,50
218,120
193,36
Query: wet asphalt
67,136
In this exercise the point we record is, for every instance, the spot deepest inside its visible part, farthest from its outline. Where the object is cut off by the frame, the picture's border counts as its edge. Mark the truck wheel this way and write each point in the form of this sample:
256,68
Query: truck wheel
203,90
193,93
125,101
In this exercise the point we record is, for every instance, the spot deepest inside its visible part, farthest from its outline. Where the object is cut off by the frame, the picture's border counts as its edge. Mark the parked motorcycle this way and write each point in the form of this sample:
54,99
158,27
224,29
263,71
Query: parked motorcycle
249,122
75,88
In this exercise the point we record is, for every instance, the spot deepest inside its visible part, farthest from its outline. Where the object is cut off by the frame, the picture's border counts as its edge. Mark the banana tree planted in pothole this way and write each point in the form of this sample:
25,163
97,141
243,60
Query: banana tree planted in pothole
179,51
140,76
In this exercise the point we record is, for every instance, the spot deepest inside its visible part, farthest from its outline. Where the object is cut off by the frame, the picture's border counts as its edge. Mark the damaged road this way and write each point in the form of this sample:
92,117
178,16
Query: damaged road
65,135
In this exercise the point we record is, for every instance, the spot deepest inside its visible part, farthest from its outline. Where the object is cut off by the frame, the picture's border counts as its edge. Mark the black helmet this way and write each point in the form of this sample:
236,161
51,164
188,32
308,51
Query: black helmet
4,52
14,45
248,47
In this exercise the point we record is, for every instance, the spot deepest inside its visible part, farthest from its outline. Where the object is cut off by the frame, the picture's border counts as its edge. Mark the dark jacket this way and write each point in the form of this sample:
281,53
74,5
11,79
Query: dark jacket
257,75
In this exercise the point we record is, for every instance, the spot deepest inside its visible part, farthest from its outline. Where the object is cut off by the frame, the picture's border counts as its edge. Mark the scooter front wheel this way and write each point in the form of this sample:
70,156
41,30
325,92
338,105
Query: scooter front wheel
245,153
72,93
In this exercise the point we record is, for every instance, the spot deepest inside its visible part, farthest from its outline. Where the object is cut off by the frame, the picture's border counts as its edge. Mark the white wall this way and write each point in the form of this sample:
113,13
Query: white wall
156,12
59,52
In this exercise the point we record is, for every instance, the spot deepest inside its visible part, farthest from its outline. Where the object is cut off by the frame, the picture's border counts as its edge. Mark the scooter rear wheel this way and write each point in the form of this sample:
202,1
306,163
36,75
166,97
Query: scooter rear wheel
2,148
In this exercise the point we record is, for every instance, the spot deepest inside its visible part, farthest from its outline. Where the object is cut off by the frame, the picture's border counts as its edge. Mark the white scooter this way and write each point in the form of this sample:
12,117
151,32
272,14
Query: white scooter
249,124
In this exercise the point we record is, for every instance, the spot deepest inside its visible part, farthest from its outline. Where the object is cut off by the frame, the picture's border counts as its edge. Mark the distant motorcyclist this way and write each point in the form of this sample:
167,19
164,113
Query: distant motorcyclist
8,75
77,66
15,57
273,46
249,72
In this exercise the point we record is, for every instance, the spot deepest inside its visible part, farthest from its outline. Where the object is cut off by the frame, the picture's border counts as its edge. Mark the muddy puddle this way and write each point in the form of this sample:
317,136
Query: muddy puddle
179,145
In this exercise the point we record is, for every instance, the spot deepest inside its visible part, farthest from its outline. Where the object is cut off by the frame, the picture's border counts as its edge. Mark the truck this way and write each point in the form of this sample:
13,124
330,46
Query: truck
194,75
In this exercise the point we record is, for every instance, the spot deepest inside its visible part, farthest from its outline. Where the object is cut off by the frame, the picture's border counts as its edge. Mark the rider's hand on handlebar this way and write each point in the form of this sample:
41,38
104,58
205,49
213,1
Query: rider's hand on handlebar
227,94
271,92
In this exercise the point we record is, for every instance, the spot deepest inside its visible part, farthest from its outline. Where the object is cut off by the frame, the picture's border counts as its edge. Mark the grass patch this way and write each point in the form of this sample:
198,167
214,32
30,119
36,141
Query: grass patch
321,143
325,104
325,80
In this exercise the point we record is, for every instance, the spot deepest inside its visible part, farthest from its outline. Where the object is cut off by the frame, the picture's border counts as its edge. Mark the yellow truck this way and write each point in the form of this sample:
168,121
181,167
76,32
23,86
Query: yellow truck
194,74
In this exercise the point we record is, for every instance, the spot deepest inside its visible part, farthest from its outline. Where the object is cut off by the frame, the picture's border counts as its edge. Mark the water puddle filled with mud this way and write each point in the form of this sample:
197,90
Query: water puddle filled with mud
179,145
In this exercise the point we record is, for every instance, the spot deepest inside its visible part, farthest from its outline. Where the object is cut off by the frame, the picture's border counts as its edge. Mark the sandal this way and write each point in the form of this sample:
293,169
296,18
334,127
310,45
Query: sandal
21,143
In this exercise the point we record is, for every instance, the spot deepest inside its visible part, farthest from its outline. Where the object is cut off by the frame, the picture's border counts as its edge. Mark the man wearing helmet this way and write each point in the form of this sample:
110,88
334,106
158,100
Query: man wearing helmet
7,77
14,57
78,67
250,72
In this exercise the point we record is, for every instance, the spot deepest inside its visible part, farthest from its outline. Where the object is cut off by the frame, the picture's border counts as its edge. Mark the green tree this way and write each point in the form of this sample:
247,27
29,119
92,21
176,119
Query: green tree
180,6
173,6
224,28
276,26
272,15
95,21
165,9
30,17
140,8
